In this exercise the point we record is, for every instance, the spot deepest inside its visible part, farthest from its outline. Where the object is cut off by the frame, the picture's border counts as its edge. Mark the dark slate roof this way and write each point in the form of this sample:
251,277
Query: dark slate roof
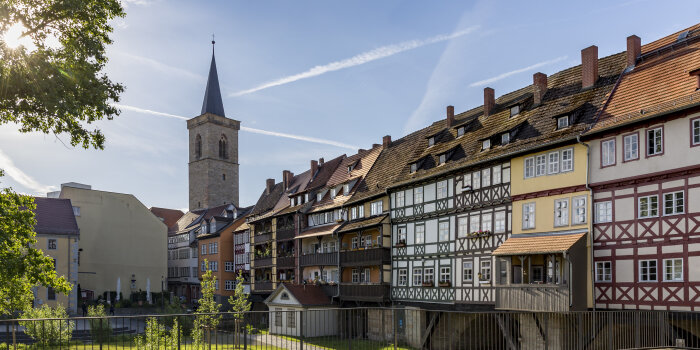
533,128
54,216
324,173
212,96
308,295
362,223
267,201
168,216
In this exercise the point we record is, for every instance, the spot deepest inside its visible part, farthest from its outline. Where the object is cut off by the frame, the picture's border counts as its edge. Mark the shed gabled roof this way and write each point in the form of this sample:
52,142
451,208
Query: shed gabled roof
306,295
168,216
54,216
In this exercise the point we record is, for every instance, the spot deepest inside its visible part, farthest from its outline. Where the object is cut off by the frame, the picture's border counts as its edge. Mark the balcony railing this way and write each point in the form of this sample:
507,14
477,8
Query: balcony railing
366,257
286,233
262,238
287,261
262,285
365,292
533,297
262,262
319,259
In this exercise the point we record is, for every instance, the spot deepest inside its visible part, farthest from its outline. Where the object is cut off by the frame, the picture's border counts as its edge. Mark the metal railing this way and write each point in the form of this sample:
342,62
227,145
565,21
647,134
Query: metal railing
285,327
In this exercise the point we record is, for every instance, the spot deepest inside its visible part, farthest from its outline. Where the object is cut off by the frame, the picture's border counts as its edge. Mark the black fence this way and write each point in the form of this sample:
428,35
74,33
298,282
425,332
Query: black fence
360,328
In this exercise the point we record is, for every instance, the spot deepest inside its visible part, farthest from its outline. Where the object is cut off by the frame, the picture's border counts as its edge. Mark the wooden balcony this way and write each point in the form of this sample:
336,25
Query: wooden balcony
262,286
285,262
533,297
366,257
378,292
262,238
319,259
285,234
262,262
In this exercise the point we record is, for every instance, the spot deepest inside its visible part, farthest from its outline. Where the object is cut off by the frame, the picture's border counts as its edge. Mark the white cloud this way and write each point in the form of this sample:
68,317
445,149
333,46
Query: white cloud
162,66
244,128
516,71
9,167
362,58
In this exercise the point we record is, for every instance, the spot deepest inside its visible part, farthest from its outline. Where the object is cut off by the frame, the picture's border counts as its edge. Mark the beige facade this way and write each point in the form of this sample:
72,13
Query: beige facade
64,250
120,239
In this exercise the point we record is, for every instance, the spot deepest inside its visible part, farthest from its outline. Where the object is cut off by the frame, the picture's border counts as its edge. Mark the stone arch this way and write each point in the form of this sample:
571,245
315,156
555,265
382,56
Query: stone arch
198,146
223,147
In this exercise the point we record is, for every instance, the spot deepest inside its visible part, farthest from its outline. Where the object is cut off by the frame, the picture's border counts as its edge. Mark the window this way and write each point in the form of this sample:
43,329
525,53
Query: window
355,276
442,159
333,192
376,208
76,211
50,293
485,270
441,189
553,163
528,216
655,142
476,180
648,206
214,266
603,271
403,277
228,266
695,132
355,242
213,248
278,317
417,276
414,167
603,212
541,165
291,319
462,227
529,167
420,234
486,144
418,195
402,234
474,223
431,141
607,155
198,146
223,147
223,177
486,177
400,199
52,244
500,225
647,271
361,211
673,269
460,131
506,175
444,231
674,203
229,285
353,213
579,213
563,122
467,181
368,241
467,271
497,175
445,275
367,276
204,266
319,196
428,275
505,138
515,110
567,160
561,212
204,249
486,222
631,147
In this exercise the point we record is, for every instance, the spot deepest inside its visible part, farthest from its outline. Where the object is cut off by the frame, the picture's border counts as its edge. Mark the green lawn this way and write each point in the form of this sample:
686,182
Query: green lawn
123,346
343,344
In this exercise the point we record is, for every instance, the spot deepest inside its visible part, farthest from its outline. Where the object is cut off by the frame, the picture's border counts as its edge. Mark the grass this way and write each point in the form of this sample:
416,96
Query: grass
120,346
341,344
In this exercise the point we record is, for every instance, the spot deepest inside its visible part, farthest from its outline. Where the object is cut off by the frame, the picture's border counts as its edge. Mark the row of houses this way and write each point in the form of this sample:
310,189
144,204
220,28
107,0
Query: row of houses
579,191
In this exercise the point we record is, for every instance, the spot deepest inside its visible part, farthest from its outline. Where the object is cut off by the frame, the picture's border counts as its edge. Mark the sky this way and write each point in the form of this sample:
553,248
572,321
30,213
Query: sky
313,79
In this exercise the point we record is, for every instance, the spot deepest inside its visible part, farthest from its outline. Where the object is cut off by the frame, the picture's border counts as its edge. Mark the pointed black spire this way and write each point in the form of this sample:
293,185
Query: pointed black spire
212,96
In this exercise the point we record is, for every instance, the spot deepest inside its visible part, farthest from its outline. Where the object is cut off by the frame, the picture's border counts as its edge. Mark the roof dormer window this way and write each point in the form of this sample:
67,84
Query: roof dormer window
505,138
346,189
431,141
414,167
319,196
442,159
486,144
349,168
460,131
563,122
333,192
515,110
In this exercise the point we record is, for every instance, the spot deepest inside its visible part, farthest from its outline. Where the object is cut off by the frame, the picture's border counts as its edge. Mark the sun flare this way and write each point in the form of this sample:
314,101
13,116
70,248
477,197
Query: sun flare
13,37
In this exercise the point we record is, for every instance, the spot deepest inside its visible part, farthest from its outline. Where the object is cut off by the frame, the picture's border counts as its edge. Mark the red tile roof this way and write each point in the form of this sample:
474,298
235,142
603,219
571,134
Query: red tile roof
308,295
168,216
54,216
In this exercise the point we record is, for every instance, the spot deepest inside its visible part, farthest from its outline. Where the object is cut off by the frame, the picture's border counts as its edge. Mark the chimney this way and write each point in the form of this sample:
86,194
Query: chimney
489,101
269,184
450,116
314,167
589,66
539,84
386,141
287,178
634,49
320,161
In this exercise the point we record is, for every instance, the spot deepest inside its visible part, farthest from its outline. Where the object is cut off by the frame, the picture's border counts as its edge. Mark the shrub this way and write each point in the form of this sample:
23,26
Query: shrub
100,328
156,337
48,332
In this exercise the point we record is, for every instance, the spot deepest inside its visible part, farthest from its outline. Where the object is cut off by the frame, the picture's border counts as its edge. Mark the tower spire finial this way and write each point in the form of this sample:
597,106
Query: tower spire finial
212,95
213,42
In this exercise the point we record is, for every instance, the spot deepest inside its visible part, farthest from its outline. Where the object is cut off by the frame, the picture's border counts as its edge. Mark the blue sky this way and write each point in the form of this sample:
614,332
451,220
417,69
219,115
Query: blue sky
346,72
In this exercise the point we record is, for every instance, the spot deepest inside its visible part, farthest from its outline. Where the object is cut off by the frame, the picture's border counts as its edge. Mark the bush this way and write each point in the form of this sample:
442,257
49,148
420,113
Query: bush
157,337
100,328
123,303
48,332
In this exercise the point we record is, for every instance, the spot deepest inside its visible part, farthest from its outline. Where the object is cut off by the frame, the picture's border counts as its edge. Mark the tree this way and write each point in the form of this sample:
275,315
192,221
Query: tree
23,266
58,88
239,303
207,317
58,330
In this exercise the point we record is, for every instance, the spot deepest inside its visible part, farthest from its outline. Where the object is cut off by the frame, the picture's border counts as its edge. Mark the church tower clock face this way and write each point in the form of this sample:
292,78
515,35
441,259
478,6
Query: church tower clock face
213,150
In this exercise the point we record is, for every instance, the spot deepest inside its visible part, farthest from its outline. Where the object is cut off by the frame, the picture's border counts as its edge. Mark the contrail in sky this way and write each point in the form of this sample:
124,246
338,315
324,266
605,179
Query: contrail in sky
362,58
245,128
513,72
9,167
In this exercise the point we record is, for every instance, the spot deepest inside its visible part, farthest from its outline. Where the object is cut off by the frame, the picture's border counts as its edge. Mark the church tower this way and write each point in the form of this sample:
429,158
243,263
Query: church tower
213,164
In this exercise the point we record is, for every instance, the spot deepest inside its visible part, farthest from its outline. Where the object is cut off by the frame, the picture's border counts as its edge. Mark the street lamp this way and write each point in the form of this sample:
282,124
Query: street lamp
162,295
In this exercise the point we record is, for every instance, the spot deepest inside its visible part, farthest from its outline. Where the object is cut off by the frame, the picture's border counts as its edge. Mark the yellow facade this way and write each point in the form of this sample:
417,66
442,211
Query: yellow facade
521,185
65,256
544,213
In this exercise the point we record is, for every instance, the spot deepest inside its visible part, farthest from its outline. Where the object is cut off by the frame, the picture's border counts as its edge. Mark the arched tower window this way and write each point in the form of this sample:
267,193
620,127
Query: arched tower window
223,147
198,146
